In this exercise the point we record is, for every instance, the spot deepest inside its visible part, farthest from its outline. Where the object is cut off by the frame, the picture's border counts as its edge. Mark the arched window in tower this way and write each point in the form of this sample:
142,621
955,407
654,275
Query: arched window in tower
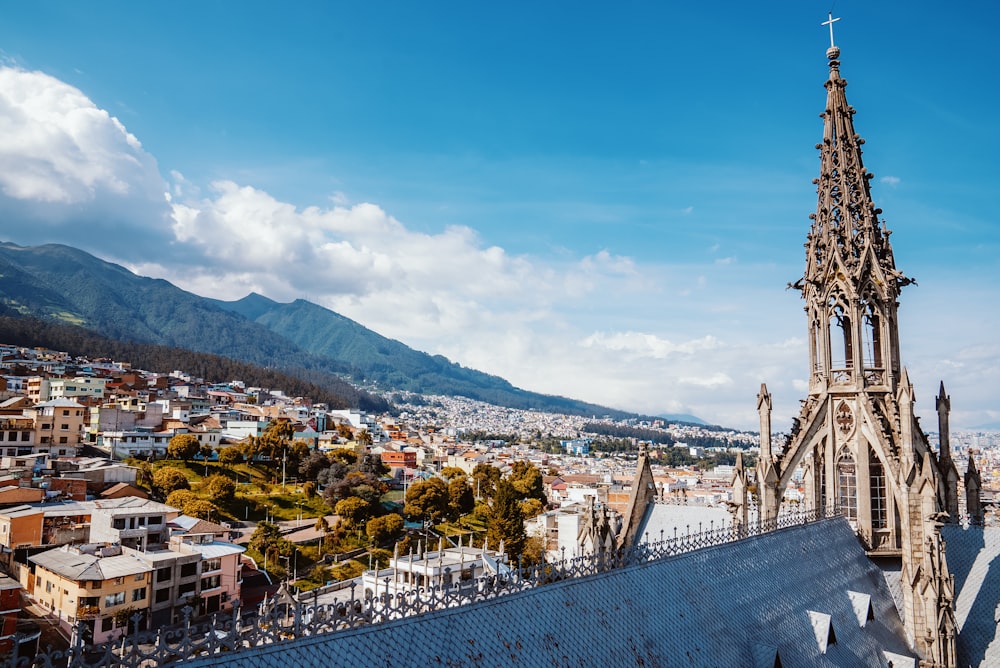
872,332
877,476
841,344
847,486
814,347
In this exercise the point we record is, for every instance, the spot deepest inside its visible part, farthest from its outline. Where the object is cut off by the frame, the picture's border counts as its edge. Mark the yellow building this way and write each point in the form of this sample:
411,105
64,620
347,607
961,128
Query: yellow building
97,584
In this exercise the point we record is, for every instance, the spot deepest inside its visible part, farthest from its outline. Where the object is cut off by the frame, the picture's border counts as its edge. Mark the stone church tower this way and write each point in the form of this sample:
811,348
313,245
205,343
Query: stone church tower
856,439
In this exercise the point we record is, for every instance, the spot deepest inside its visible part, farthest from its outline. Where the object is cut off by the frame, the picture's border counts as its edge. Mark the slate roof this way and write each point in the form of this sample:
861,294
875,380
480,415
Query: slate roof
73,565
662,518
737,604
973,555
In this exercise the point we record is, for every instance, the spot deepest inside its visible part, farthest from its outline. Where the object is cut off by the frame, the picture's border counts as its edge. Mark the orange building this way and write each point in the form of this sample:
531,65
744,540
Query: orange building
399,459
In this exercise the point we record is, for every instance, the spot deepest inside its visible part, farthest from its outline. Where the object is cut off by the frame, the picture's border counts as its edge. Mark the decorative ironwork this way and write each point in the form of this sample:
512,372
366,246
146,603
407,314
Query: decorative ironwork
285,618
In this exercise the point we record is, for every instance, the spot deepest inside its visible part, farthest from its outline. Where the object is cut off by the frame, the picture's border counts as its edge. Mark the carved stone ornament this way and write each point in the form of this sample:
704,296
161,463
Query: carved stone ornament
844,418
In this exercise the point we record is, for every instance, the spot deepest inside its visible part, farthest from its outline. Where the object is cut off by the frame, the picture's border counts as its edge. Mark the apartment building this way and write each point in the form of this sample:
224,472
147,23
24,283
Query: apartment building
98,584
58,426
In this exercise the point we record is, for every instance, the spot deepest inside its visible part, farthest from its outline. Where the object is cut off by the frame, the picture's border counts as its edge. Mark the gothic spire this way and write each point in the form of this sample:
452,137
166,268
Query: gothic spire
846,238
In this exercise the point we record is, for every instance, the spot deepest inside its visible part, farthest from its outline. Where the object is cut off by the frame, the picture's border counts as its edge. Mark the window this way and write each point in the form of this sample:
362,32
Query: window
872,332
119,523
211,565
64,427
25,435
64,439
46,426
138,594
66,410
163,574
847,489
95,584
162,595
139,577
48,587
114,599
211,582
841,348
120,580
878,493
186,588
106,623
187,570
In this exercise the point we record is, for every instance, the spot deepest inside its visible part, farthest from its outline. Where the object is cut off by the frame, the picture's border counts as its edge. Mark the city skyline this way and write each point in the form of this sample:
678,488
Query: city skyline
600,204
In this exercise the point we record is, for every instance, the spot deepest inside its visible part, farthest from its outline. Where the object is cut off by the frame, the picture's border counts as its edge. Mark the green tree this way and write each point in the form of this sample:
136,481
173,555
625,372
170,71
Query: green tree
231,455
384,528
345,456
202,509
506,522
220,488
267,541
312,464
531,508
485,478
183,446
534,547
527,481
451,472
461,500
168,479
180,497
427,500
352,511
272,443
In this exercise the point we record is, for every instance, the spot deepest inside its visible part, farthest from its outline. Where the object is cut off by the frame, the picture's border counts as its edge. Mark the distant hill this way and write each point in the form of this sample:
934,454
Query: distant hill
79,342
64,284
684,418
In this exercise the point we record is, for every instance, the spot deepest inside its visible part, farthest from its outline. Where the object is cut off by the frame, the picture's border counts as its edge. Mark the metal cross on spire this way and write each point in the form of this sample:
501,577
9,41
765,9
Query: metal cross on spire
830,23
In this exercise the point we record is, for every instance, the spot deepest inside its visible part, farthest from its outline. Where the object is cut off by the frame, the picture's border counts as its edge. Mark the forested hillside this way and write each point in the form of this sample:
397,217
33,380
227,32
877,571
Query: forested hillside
314,385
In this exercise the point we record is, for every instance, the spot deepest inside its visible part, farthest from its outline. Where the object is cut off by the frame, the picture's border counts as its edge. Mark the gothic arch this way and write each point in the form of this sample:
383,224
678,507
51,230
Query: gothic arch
847,484
841,335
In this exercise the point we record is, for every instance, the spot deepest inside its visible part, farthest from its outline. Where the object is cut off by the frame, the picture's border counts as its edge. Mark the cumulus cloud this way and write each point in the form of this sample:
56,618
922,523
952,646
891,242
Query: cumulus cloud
68,169
599,326
636,344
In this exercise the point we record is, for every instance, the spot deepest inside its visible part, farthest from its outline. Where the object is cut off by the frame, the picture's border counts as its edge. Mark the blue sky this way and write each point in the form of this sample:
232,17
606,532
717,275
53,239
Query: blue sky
600,201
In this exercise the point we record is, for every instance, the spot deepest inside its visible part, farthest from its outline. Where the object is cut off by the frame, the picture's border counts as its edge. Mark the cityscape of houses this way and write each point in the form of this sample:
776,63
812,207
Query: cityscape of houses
82,539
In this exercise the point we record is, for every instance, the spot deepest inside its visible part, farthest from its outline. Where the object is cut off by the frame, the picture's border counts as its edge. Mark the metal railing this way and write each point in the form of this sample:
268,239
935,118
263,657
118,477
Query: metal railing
284,618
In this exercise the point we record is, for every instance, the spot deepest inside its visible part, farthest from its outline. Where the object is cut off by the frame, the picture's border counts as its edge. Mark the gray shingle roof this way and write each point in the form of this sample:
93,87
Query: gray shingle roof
973,559
719,606
73,565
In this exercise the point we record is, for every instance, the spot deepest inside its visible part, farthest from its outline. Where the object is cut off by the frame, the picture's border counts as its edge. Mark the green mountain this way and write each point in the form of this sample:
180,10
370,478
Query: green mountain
63,284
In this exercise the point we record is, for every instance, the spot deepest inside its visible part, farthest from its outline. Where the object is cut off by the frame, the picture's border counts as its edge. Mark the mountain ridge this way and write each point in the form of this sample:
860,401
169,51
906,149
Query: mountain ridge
64,284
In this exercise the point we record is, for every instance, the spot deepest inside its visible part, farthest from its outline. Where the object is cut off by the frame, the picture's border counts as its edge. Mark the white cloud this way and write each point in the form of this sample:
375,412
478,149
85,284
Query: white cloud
890,180
667,336
67,166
